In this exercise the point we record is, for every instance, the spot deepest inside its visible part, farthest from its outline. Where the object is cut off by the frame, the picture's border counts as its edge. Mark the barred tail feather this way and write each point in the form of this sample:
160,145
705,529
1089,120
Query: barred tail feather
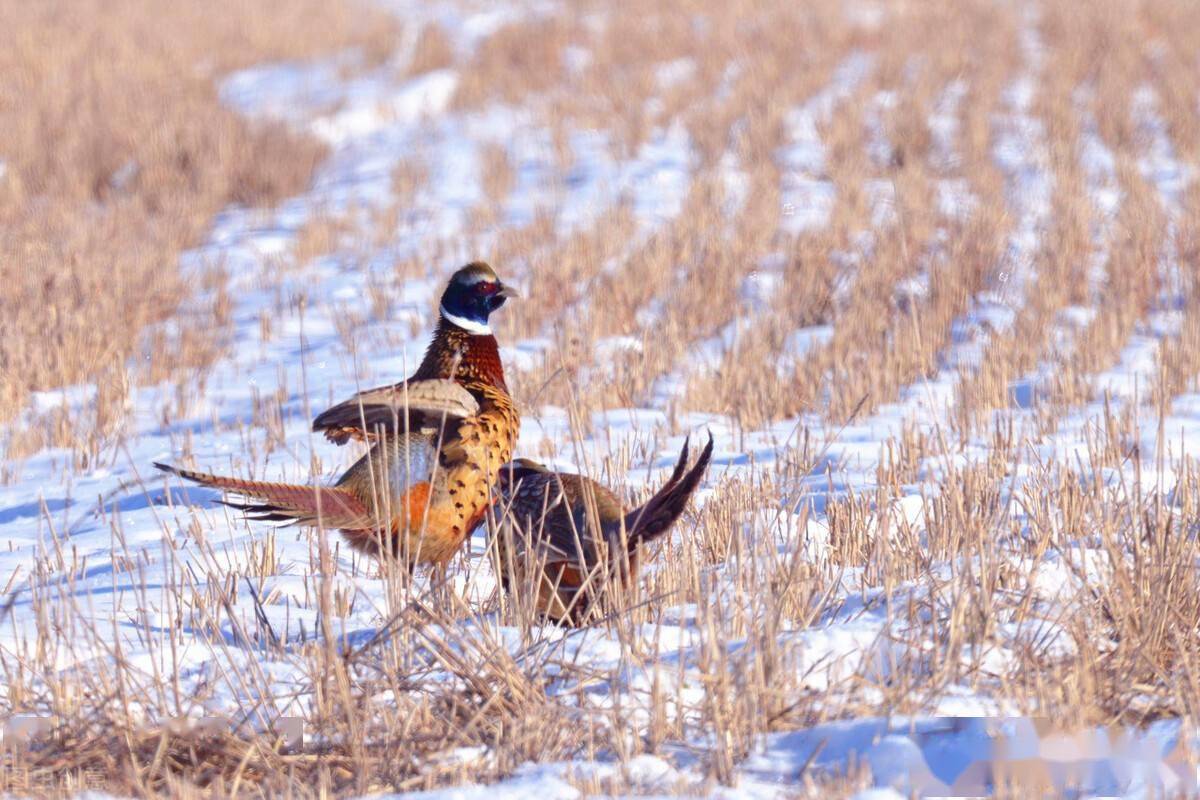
660,512
284,502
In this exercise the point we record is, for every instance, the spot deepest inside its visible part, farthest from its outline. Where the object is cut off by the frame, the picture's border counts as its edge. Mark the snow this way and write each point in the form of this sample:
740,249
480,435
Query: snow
808,196
674,72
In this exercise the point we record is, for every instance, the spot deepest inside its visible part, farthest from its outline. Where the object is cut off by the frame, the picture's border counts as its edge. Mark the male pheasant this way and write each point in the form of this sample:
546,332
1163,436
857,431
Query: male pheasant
437,442
571,535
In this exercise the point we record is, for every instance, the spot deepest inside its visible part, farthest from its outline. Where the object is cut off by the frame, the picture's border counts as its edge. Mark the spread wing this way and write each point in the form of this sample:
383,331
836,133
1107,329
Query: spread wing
410,405
552,509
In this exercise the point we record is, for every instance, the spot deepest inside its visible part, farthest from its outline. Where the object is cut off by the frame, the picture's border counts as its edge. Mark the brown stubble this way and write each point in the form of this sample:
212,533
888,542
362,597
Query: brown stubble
678,258
1176,83
1059,265
1137,238
881,339
117,155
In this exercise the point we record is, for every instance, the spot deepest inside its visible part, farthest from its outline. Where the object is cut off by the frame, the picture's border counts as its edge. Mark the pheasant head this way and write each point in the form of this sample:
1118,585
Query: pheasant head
472,294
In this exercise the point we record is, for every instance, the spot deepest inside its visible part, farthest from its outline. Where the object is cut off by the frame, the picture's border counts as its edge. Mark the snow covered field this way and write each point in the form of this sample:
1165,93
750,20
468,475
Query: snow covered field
930,285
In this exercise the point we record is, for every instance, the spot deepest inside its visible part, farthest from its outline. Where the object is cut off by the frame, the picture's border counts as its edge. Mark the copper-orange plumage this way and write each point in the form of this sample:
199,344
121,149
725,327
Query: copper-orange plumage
437,442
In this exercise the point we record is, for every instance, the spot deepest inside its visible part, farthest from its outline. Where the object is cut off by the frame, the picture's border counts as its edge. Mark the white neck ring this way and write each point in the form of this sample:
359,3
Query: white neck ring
468,325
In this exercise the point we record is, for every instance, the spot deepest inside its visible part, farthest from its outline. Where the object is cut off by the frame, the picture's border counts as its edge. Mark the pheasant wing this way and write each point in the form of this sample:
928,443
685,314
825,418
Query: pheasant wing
406,406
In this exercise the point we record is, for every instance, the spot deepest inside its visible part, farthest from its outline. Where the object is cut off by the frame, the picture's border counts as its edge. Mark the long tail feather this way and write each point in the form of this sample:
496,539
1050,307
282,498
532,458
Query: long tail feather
659,513
284,502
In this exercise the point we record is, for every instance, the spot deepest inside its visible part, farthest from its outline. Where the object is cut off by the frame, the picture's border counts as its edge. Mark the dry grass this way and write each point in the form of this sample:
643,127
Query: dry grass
1062,587
117,154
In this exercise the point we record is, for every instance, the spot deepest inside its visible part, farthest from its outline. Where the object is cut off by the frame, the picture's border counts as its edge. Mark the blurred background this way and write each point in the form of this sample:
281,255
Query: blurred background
764,141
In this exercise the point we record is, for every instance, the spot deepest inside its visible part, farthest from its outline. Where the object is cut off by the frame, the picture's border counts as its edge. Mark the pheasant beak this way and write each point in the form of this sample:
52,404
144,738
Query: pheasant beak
508,292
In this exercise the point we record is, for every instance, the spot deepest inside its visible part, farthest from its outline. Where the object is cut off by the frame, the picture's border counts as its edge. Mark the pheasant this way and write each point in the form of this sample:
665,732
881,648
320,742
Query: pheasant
436,443
562,529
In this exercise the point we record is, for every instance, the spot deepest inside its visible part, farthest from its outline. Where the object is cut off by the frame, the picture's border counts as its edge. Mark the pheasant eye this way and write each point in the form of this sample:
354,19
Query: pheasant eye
485,287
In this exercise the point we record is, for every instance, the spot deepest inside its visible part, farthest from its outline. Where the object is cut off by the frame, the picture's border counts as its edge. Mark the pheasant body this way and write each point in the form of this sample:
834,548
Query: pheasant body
436,443
571,536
